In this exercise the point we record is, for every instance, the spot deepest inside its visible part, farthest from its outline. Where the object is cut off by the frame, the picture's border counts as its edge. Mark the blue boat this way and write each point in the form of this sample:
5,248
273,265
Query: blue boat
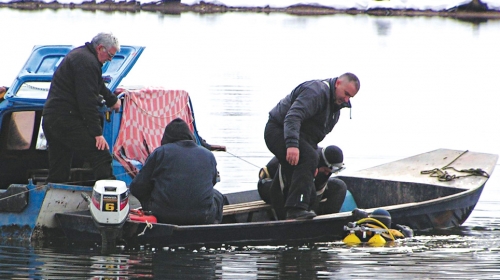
27,205
434,190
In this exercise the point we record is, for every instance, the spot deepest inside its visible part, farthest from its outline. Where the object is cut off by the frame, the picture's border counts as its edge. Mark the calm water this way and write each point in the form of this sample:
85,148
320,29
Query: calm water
426,83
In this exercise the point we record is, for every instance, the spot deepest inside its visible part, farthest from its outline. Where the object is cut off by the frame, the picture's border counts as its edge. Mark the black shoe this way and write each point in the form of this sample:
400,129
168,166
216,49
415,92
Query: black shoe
299,214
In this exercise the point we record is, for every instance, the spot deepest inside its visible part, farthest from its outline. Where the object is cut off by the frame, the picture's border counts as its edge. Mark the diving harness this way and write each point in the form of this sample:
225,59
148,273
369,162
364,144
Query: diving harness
375,240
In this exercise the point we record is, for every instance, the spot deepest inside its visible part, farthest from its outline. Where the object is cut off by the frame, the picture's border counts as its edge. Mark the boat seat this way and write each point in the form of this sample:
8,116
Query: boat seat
250,208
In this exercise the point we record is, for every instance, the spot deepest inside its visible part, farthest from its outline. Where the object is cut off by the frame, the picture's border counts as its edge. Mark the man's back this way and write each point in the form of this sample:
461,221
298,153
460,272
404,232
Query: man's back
184,176
177,183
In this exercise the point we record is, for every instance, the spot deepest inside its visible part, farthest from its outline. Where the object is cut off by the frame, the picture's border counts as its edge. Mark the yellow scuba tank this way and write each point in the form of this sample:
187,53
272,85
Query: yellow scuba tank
351,239
376,240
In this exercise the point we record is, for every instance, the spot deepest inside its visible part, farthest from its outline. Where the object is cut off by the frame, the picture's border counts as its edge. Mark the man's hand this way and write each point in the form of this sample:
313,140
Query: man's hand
292,155
100,143
117,106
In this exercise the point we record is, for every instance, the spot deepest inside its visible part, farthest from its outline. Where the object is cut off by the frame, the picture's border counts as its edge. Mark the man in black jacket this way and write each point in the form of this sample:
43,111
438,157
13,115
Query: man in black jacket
177,180
71,118
295,127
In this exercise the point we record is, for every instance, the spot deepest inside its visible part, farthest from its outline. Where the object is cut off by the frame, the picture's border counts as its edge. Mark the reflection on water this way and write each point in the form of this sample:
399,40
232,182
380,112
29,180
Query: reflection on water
430,257
59,263
426,83
383,27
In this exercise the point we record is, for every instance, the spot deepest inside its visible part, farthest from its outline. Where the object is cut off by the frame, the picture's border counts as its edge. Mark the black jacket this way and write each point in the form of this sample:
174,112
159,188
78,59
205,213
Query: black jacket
176,183
76,86
308,111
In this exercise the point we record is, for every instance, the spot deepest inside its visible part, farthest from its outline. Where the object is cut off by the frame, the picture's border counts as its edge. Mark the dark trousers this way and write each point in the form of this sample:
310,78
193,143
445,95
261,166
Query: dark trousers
334,193
67,135
300,178
211,215
218,207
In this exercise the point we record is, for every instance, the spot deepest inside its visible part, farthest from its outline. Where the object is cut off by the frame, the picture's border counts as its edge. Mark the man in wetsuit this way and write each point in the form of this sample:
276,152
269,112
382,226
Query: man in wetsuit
330,192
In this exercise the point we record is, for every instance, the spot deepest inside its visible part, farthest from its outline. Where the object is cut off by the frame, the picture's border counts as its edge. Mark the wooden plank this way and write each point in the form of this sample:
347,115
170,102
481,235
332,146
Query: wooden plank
250,208
246,207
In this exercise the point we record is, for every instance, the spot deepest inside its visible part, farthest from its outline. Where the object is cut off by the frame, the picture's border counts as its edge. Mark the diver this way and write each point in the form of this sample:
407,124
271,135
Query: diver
330,191
375,228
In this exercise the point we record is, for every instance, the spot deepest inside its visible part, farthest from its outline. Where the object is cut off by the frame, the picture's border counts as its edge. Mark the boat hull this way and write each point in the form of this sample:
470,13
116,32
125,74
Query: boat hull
422,217
422,202
37,220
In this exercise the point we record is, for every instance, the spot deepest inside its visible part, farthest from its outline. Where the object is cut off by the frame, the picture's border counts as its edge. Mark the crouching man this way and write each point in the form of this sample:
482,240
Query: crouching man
177,180
330,192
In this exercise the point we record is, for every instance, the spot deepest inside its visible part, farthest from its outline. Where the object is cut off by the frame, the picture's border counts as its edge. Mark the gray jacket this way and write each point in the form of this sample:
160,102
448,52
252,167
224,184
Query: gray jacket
309,111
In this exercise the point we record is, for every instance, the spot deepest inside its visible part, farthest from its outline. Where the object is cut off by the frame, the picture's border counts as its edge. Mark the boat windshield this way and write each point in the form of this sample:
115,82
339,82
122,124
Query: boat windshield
36,90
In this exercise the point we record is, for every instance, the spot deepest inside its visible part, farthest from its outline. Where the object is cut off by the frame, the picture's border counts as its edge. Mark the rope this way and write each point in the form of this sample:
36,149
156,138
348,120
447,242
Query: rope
463,153
444,176
148,225
243,159
35,88
16,194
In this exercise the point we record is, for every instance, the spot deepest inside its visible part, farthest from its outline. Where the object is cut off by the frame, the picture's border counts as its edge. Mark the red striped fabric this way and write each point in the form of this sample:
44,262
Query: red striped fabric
146,112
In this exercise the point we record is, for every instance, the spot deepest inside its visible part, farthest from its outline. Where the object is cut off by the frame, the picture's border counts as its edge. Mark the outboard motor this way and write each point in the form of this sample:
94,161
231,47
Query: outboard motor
109,207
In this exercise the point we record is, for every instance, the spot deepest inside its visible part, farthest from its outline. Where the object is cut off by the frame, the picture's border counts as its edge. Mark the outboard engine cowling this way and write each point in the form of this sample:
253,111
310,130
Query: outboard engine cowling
109,207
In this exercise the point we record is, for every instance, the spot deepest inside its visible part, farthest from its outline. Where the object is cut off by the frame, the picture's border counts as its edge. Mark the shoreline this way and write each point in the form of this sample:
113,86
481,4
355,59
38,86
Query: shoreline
473,10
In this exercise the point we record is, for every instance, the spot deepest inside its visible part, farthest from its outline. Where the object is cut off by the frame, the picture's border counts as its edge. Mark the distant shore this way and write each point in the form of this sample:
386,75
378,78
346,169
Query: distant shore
474,10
